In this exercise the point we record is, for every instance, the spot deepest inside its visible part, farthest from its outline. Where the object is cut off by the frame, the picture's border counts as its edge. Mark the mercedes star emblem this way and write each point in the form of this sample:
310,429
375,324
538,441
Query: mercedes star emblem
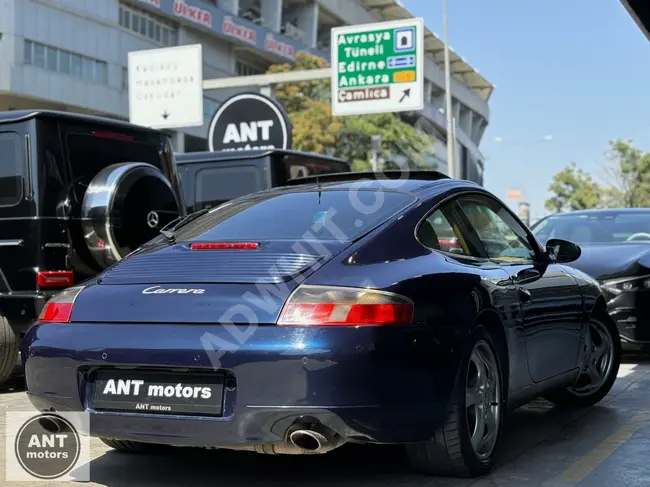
153,219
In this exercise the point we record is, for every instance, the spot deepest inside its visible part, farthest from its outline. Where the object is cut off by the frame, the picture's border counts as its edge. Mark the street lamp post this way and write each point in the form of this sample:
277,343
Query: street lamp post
451,142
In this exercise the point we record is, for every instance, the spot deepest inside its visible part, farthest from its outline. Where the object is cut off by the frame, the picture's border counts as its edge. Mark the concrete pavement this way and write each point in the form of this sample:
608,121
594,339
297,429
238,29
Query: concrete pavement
544,446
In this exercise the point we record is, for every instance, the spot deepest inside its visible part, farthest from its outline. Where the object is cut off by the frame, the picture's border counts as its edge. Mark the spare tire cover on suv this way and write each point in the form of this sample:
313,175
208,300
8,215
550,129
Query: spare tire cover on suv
125,206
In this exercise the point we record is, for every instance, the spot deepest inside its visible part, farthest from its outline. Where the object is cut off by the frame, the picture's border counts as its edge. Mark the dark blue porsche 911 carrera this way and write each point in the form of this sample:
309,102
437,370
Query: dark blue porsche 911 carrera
349,308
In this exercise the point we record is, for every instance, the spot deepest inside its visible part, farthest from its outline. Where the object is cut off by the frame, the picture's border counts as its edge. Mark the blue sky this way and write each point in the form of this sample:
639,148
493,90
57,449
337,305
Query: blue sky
578,70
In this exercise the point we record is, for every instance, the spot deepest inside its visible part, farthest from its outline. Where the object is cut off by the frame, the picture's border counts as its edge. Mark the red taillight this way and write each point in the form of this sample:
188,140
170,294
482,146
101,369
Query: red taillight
55,279
59,308
339,306
112,135
225,246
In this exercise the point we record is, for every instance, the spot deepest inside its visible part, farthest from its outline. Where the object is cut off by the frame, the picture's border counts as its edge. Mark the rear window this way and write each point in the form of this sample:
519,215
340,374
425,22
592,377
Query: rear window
300,166
325,215
217,185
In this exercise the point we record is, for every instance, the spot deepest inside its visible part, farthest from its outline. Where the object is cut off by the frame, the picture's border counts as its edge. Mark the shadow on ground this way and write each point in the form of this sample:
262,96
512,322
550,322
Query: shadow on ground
351,465
14,384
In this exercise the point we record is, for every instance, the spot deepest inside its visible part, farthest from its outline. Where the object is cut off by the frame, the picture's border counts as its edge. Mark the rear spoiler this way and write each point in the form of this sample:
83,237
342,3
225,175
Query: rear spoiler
357,176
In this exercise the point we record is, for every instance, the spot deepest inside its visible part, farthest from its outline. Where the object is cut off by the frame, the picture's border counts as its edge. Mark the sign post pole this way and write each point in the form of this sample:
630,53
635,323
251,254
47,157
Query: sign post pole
451,133
376,149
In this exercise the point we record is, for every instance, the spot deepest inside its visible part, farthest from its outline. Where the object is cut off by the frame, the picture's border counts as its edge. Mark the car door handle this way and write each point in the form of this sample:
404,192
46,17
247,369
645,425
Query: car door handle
524,295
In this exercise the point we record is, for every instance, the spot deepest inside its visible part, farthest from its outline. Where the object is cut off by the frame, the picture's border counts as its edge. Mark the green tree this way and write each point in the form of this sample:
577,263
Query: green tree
629,175
573,189
308,105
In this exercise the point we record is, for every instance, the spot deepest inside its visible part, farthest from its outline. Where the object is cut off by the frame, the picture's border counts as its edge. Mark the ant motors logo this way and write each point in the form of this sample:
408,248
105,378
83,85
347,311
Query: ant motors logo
47,447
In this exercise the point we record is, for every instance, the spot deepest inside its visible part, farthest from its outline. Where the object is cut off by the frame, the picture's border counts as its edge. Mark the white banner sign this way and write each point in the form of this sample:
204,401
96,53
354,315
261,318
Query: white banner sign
166,87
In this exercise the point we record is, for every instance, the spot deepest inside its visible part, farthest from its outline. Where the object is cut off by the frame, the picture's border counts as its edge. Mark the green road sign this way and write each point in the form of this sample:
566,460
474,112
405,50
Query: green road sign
378,68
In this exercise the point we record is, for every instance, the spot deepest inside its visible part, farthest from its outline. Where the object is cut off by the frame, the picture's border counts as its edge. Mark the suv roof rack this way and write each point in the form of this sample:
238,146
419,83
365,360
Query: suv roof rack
356,176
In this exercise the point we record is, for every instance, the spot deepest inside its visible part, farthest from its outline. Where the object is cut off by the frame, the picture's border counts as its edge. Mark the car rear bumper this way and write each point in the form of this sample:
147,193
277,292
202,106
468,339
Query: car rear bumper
376,384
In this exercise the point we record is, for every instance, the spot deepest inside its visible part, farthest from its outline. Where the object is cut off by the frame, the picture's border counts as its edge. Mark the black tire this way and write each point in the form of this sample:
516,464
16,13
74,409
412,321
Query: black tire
450,453
568,397
9,348
130,446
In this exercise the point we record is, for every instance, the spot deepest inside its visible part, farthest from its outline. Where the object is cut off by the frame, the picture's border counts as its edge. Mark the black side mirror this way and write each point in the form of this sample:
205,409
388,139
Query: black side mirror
563,251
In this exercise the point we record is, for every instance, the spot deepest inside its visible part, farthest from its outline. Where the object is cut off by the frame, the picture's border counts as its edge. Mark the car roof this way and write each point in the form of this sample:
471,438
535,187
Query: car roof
414,186
22,115
222,156
603,212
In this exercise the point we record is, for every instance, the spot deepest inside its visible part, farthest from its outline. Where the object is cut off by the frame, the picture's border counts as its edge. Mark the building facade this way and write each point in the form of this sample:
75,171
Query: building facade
72,55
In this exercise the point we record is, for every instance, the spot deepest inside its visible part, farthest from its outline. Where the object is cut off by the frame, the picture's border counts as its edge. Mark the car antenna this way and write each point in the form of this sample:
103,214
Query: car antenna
319,188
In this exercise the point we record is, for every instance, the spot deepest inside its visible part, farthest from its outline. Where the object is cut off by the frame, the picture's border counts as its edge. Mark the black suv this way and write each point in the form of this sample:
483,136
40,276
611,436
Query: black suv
210,179
77,193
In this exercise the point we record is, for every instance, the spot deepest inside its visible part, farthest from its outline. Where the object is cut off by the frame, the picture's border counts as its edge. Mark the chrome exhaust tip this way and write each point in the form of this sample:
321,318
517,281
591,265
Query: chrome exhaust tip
308,440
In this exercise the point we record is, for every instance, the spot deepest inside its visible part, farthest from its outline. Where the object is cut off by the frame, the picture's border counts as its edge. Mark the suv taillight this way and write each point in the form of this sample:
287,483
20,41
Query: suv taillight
342,306
59,308
55,279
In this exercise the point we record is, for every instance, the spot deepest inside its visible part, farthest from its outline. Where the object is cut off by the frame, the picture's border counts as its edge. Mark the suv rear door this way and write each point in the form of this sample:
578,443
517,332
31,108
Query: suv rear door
291,166
208,184
71,152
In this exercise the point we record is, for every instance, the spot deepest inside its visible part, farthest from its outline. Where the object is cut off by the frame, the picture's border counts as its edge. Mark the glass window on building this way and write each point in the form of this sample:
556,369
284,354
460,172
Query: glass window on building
60,61
64,62
147,24
101,72
89,69
242,68
75,65
28,49
125,18
39,55
52,57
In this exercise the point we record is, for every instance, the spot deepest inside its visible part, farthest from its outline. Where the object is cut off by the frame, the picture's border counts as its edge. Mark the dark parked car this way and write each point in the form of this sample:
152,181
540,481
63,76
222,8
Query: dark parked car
77,193
616,252
300,318
210,179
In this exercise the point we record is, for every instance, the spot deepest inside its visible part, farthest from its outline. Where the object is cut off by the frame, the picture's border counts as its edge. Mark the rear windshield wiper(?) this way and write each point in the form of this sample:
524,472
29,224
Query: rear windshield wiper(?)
169,230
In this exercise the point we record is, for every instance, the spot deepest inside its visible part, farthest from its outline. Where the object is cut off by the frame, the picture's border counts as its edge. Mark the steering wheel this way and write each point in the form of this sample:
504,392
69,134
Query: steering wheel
638,236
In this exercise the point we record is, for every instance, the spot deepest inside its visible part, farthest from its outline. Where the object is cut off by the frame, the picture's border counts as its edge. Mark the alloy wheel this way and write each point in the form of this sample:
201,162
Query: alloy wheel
597,361
483,399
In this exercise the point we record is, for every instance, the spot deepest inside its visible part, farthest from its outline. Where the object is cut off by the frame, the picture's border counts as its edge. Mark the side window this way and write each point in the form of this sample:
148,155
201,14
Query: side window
442,231
503,238
11,169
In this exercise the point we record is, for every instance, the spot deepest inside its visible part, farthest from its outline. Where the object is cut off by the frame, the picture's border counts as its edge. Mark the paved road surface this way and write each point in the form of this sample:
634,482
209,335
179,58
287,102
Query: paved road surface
604,446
